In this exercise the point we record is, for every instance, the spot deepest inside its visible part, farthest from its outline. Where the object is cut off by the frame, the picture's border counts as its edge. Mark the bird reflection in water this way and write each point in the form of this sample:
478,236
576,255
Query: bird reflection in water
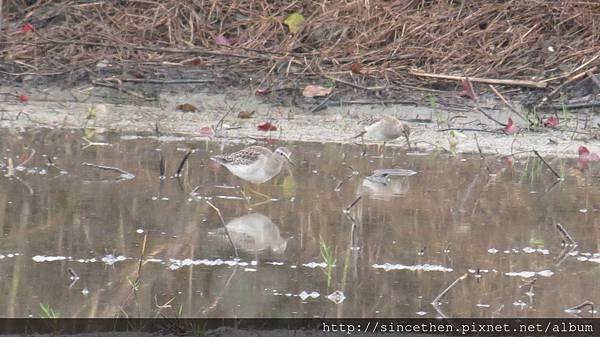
386,184
256,234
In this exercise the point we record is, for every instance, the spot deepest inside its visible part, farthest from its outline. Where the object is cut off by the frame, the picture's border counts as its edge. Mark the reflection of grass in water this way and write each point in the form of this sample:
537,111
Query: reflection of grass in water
197,330
327,255
535,170
562,168
435,108
134,283
538,243
47,311
531,172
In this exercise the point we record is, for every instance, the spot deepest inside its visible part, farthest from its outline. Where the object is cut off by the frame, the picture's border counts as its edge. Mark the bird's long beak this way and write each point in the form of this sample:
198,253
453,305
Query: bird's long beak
289,160
362,133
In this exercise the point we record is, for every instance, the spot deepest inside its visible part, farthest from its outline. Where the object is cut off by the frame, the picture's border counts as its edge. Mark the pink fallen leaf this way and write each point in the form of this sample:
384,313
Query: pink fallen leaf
262,92
23,98
207,131
315,91
222,40
468,89
551,122
28,27
266,126
585,156
511,128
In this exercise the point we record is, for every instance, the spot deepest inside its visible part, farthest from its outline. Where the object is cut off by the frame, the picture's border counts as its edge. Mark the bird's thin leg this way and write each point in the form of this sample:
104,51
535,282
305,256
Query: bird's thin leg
407,141
258,193
364,146
267,198
260,203
245,196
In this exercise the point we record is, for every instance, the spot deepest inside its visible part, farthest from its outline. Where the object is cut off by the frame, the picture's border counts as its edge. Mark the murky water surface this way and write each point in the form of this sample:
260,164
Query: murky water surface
72,235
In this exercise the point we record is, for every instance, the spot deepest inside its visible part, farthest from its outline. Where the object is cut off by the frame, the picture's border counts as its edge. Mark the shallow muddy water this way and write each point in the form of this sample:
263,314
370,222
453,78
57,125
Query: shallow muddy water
73,235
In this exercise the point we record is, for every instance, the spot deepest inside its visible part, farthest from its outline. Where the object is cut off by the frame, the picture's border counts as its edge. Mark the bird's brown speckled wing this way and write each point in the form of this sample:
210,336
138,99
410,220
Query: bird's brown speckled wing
245,156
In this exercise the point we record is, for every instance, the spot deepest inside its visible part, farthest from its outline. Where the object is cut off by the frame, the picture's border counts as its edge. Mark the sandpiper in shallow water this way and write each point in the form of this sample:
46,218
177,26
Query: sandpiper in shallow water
255,164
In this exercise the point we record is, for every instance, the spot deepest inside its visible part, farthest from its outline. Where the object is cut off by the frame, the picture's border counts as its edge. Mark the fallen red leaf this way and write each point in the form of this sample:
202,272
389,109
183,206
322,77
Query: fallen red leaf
262,92
583,151
28,27
222,40
585,157
468,89
195,62
266,126
207,131
551,122
511,128
356,68
23,98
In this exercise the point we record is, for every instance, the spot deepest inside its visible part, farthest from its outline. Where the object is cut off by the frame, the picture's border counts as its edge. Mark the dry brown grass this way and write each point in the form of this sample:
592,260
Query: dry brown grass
496,39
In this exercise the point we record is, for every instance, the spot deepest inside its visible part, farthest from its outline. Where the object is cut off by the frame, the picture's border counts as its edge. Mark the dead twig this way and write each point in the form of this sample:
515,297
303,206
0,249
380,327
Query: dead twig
468,129
157,81
512,108
124,173
29,189
139,271
161,166
347,209
224,227
489,117
127,91
569,80
28,159
321,105
565,234
579,307
520,83
436,301
357,86
546,163
185,158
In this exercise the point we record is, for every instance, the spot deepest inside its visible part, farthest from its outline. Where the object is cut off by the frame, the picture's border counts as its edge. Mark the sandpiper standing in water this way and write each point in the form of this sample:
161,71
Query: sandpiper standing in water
255,164
386,128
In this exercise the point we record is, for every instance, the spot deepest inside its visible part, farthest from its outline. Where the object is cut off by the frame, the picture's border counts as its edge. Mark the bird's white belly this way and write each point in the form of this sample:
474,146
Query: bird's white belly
253,173
374,132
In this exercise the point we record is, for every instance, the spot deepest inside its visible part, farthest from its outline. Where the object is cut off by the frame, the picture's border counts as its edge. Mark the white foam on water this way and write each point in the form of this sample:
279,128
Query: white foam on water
305,295
528,274
111,259
336,297
418,267
228,197
41,258
314,265
177,264
274,263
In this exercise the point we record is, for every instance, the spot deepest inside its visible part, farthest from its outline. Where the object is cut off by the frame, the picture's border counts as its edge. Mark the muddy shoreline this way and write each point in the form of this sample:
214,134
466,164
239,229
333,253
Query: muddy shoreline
127,112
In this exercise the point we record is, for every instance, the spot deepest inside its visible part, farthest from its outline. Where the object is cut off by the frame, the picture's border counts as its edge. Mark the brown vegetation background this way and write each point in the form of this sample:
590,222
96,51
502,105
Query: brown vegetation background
385,39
